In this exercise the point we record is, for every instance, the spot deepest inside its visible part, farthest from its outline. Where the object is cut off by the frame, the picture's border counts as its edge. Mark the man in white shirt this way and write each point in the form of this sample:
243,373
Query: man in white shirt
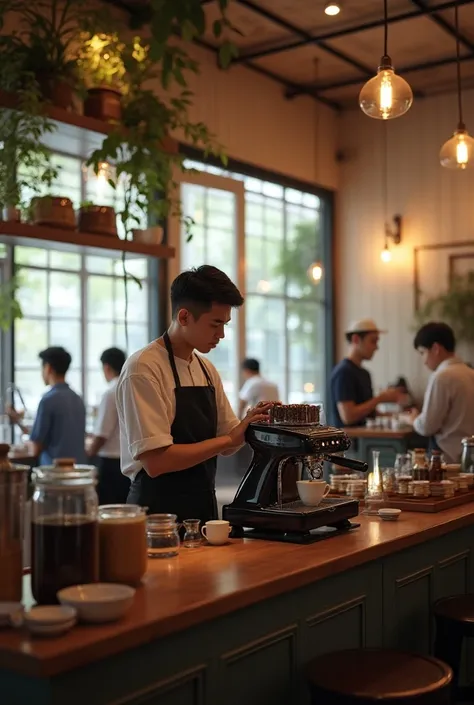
448,407
255,388
174,415
112,486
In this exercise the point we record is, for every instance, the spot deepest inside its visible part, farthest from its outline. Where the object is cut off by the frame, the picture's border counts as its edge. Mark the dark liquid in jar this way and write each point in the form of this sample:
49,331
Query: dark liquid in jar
64,552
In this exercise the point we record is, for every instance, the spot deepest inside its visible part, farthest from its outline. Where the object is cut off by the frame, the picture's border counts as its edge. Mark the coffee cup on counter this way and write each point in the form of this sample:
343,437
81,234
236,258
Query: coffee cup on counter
312,492
216,531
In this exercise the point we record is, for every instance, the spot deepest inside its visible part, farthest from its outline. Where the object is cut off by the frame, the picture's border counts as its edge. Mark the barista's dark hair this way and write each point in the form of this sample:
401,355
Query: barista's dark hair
361,335
435,332
58,358
114,358
251,365
197,289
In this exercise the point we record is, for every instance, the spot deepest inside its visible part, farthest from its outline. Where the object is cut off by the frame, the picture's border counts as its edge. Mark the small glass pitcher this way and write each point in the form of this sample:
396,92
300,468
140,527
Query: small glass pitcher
192,537
162,536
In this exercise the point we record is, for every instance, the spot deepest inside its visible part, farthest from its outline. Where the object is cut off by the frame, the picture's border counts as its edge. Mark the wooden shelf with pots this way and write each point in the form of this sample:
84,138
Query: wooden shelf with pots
12,233
76,134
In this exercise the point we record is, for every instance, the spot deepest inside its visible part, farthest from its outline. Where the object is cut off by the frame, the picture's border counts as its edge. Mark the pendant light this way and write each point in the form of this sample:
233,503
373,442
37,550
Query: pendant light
386,96
458,151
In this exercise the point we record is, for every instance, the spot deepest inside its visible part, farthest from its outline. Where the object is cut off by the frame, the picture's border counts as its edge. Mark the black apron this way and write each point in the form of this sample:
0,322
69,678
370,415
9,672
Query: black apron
190,494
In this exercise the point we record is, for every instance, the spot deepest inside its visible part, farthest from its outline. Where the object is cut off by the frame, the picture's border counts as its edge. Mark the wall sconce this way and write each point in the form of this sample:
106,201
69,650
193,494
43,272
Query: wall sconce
395,235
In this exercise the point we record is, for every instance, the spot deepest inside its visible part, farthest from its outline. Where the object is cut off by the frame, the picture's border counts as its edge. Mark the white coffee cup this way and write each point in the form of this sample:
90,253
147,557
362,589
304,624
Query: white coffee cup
311,492
216,531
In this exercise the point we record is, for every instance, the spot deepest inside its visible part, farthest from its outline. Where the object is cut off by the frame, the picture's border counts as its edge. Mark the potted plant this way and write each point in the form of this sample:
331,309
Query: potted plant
455,306
100,220
102,69
44,44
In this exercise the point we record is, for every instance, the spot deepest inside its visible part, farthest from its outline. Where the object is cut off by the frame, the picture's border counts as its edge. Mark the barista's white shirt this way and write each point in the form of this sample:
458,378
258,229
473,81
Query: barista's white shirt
107,423
256,389
448,407
146,402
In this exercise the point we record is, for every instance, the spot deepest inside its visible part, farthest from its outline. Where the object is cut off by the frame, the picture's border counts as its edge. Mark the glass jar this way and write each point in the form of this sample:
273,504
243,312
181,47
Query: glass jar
64,530
192,537
467,458
122,543
375,497
162,536
13,479
420,465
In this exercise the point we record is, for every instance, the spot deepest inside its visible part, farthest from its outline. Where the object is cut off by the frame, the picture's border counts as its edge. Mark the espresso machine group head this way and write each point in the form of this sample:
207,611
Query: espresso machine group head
292,446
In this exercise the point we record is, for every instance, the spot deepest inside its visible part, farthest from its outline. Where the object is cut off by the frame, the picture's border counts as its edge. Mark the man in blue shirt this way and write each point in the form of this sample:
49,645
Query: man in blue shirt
60,424
352,398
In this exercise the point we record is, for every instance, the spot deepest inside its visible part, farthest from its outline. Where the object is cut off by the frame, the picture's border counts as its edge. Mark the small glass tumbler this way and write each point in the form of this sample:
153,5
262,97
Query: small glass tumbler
162,536
192,537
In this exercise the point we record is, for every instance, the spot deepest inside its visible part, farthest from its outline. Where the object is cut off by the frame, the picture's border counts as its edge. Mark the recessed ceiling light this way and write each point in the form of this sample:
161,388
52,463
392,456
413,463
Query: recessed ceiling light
332,9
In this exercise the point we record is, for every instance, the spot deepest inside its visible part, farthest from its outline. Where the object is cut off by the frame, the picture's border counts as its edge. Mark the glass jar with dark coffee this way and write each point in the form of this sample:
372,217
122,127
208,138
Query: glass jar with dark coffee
64,530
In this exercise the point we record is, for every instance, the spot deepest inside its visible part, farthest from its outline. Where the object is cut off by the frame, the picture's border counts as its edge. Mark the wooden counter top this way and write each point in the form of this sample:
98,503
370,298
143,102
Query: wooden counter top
364,432
208,582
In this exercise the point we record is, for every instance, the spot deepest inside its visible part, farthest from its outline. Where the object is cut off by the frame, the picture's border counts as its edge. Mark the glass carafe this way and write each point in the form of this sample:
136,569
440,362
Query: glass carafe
13,481
123,544
375,497
162,536
64,530
192,537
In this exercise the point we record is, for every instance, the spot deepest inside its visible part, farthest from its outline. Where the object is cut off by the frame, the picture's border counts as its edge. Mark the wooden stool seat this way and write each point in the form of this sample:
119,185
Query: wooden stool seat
454,621
383,676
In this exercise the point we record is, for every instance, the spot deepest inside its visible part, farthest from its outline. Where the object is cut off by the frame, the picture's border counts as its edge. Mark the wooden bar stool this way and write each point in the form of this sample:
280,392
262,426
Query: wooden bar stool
382,676
454,621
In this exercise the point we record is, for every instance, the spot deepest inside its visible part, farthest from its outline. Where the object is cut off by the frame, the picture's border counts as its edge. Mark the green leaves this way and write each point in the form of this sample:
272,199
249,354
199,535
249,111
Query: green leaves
454,307
227,52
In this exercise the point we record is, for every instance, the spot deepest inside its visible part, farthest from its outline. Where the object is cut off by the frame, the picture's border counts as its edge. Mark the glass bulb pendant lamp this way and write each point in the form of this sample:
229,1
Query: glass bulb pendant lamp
458,151
386,96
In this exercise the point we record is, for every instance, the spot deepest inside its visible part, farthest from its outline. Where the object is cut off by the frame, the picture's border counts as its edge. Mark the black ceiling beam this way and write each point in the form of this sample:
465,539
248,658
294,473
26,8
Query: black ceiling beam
317,89
288,85
305,36
346,31
446,26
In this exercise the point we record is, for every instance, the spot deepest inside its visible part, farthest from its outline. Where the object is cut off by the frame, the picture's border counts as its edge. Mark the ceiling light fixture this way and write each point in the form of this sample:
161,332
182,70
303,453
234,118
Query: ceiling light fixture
394,235
332,9
458,151
386,96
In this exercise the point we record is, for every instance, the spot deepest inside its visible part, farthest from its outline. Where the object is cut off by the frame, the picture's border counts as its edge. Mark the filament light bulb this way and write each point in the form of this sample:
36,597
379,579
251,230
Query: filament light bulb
386,96
315,272
332,9
386,255
458,151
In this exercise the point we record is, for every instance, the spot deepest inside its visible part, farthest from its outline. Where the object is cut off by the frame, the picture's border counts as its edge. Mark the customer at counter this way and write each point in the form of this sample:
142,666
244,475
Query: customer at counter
448,407
255,388
59,428
112,486
174,415
352,398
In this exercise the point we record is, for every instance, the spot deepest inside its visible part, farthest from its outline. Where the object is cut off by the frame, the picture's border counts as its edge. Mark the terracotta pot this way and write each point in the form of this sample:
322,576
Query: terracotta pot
103,104
100,220
149,236
54,211
58,91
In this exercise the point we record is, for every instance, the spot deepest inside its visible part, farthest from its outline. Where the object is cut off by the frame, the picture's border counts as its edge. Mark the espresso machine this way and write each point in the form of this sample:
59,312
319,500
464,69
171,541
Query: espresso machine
291,446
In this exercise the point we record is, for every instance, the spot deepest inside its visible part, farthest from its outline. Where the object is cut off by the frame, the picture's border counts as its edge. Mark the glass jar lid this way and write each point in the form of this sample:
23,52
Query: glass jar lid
161,521
468,441
121,511
58,477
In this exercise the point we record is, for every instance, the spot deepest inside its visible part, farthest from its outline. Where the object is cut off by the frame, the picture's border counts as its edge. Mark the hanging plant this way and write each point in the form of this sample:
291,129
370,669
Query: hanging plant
454,307
10,308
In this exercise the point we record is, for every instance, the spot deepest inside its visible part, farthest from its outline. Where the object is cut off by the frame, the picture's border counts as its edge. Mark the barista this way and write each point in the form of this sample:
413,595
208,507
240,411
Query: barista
174,415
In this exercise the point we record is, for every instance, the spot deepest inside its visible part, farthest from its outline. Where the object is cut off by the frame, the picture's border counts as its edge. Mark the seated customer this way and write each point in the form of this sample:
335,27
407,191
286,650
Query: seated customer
448,407
60,424
352,398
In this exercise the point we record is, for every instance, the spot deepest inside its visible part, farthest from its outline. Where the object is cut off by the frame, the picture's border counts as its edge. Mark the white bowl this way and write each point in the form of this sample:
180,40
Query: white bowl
98,602
50,629
50,615
389,514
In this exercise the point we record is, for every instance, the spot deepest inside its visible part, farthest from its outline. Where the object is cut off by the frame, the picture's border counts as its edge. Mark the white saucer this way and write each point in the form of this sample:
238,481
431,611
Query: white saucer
50,615
50,629
98,602
389,514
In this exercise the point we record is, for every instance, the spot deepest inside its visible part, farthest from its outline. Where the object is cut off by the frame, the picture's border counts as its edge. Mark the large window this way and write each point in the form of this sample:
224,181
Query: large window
77,300
285,313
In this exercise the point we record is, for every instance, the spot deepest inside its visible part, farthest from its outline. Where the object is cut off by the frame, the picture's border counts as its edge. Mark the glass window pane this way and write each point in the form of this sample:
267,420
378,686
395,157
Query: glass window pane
137,337
31,386
96,385
134,265
74,379
64,260
99,265
64,295
68,335
33,292
31,255
100,336
273,190
100,298
31,336
137,301
306,352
